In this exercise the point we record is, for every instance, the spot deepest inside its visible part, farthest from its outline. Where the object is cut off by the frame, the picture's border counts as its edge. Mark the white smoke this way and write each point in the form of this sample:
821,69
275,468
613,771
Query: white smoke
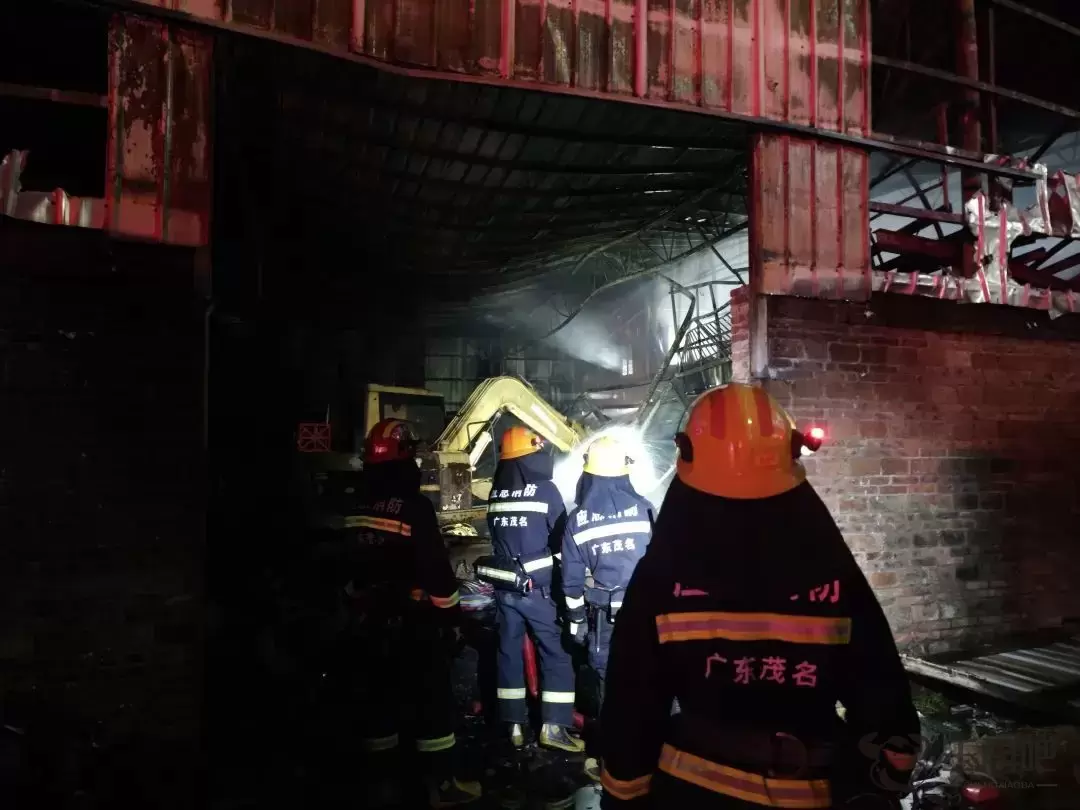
643,474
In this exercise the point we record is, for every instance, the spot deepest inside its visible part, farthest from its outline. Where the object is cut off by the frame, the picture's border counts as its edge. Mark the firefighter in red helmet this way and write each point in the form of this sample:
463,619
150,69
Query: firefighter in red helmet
750,615
404,589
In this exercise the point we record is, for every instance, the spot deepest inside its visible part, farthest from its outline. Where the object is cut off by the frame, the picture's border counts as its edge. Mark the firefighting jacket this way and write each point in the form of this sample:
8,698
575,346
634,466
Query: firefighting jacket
755,618
607,535
399,556
525,514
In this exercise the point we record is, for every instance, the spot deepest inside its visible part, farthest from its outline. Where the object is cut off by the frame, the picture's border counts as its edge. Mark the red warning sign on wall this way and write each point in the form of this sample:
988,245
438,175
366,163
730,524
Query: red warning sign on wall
313,437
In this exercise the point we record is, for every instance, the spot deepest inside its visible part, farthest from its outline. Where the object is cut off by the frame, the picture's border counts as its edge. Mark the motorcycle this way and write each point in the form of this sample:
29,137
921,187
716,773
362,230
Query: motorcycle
939,781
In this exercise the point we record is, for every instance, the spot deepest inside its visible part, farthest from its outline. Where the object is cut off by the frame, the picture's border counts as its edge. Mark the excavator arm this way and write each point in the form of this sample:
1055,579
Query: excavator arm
470,431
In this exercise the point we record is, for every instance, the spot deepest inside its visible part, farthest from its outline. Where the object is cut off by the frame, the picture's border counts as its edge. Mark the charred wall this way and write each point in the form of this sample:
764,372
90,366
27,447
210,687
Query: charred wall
101,513
951,464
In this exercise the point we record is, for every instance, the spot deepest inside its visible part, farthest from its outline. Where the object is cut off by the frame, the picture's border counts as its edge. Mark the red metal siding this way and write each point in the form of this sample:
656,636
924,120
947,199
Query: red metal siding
158,176
807,61
810,221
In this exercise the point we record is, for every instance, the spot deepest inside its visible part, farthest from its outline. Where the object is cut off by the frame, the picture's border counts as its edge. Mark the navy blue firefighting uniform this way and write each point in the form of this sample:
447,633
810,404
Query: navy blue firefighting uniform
406,595
606,535
525,516
754,618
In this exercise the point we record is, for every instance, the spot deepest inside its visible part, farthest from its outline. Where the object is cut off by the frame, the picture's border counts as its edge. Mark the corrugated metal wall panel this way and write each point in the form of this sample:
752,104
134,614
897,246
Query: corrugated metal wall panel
158,175
807,61
810,227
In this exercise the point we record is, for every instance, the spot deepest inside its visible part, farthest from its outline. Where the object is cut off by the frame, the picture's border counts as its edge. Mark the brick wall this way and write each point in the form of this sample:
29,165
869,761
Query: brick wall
101,513
952,458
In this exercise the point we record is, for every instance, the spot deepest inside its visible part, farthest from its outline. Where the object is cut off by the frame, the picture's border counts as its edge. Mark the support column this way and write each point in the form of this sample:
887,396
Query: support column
967,65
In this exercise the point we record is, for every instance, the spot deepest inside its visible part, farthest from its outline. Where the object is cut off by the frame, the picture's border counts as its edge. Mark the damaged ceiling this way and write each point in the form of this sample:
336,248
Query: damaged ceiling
475,187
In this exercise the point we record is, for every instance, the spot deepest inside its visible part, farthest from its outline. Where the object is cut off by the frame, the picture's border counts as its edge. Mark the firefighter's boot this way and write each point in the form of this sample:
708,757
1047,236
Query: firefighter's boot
453,793
384,793
553,736
517,735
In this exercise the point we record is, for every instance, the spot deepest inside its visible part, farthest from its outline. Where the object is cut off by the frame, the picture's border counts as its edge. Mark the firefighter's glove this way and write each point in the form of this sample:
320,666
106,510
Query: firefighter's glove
576,615
578,631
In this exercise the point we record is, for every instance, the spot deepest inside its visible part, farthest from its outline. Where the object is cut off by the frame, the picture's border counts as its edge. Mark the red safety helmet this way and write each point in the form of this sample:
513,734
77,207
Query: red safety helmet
390,440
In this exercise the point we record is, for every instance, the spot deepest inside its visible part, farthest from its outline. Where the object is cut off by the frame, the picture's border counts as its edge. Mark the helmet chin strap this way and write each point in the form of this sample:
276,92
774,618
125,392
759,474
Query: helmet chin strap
686,447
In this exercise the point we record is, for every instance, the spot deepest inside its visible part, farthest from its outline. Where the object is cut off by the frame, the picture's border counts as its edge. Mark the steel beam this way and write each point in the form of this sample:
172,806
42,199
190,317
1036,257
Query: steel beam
928,214
984,87
1037,15
72,97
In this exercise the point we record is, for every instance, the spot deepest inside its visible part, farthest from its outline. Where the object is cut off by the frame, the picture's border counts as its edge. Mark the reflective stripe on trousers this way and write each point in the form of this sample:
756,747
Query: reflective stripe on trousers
430,746
516,616
793,794
557,697
386,743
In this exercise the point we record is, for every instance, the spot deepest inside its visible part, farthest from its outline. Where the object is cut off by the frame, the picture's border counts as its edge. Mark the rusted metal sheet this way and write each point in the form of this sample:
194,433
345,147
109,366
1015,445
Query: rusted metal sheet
158,175
810,221
803,61
55,207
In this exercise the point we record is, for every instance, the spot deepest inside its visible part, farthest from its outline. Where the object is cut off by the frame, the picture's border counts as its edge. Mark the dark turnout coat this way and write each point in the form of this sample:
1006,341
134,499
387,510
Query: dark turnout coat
754,619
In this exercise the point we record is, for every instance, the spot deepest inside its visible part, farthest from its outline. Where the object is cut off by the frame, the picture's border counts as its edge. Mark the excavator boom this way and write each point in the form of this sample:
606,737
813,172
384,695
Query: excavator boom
470,431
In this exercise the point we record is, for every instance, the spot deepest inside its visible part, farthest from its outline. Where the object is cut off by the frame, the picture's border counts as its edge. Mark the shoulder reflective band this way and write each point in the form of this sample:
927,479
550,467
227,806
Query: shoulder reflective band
379,743
433,744
536,565
446,601
575,602
503,693
557,697
379,524
704,626
625,789
613,530
496,573
796,794
518,506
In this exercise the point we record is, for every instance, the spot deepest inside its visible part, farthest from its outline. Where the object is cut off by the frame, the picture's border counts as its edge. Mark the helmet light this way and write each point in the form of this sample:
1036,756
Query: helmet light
812,440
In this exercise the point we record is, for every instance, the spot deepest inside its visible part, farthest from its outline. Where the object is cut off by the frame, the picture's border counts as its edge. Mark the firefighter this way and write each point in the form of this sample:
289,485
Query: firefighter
526,515
745,624
407,599
605,536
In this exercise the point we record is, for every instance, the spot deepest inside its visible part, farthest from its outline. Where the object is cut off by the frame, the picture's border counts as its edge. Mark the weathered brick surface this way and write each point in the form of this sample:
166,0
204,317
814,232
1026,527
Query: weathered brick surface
101,498
952,456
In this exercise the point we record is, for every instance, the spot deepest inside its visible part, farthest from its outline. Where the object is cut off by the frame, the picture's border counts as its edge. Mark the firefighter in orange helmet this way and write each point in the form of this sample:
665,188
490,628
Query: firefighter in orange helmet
405,591
525,517
750,612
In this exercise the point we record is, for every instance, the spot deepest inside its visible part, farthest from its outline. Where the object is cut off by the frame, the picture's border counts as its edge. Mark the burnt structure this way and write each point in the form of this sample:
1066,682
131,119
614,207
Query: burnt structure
328,172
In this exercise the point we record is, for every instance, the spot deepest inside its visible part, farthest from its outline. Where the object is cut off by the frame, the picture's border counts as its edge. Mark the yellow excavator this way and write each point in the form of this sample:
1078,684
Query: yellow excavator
453,451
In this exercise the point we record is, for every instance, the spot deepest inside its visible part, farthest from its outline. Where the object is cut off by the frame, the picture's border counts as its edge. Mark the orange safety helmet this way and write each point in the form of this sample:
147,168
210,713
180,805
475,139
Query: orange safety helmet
739,443
519,441
390,440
